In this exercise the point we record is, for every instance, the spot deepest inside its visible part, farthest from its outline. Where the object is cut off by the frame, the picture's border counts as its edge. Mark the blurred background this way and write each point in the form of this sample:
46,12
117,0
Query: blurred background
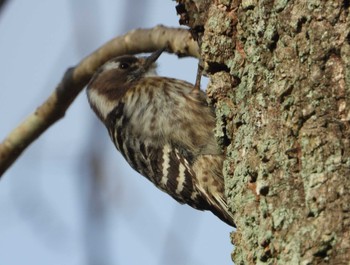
71,198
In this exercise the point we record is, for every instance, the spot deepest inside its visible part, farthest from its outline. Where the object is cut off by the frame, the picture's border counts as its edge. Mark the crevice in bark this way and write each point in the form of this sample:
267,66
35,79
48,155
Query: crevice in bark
214,67
285,94
225,140
300,24
348,37
273,42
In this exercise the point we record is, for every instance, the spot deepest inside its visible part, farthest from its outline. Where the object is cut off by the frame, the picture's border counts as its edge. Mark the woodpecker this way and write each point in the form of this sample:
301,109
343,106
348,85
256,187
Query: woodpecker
164,128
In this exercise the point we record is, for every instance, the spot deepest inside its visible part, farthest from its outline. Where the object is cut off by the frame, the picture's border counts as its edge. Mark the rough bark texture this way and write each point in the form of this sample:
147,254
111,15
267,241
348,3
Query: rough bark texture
280,79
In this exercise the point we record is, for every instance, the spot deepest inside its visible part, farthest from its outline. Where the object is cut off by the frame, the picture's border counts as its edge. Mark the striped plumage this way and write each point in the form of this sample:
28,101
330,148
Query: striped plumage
164,129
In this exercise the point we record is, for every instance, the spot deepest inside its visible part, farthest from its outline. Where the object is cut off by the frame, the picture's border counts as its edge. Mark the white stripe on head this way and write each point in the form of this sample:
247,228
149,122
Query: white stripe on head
111,65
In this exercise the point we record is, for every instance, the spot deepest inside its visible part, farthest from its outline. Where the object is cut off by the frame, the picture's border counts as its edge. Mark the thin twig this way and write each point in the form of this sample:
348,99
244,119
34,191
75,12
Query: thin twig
176,40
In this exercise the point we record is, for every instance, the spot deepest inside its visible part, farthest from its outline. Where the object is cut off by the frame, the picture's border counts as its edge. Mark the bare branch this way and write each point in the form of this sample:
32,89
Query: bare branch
177,40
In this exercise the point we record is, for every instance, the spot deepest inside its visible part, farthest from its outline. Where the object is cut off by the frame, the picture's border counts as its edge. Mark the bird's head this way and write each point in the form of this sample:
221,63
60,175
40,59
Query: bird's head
113,79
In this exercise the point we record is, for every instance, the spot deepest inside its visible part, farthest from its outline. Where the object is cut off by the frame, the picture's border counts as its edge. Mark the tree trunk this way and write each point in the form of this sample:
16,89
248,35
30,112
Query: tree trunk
280,80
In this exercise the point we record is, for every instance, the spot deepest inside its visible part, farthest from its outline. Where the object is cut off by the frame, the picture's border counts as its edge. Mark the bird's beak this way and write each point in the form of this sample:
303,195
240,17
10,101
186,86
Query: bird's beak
152,58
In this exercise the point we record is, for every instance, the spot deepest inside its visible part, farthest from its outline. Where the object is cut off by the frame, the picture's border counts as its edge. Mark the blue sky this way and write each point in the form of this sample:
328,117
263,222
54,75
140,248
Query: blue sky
45,194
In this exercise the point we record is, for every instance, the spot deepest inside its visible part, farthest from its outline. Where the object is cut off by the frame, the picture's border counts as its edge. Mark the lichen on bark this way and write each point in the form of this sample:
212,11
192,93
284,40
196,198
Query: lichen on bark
280,80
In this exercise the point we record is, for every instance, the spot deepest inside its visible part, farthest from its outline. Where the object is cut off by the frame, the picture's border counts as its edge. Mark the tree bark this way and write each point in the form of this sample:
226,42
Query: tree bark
280,80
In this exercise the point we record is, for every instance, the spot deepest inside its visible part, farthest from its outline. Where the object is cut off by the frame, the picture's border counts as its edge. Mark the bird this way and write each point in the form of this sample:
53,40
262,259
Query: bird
164,128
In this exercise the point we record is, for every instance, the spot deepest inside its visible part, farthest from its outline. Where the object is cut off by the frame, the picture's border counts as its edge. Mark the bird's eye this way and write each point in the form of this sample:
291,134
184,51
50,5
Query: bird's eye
124,65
